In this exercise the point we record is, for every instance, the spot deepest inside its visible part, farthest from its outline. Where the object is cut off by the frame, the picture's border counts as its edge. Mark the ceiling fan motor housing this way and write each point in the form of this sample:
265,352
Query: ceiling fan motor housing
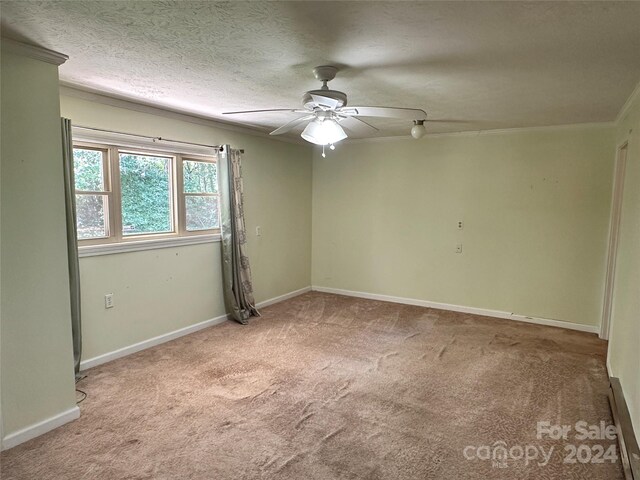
309,102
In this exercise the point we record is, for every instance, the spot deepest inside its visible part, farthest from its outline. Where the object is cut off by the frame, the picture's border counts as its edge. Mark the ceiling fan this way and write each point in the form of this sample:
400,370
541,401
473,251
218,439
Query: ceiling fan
325,112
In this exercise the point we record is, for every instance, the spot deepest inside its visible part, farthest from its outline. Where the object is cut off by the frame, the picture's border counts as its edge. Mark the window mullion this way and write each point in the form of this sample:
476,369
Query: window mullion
116,217
181,205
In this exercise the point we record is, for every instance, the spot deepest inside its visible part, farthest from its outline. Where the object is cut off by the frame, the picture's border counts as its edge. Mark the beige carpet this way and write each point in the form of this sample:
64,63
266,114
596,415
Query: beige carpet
329,387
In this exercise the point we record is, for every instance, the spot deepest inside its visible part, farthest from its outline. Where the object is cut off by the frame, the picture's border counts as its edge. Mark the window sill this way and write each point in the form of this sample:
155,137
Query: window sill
135,246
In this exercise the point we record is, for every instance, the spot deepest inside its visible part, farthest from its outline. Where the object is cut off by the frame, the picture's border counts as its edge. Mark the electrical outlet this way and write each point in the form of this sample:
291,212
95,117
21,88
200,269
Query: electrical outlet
258,231
459,248
460,225
108,300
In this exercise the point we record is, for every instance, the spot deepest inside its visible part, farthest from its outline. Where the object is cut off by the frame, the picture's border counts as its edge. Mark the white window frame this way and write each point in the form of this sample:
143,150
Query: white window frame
182,195
107,189
119,243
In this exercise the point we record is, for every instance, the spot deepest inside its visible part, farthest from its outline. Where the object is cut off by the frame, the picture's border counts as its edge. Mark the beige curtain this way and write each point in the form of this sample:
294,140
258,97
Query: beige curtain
72,240
236,272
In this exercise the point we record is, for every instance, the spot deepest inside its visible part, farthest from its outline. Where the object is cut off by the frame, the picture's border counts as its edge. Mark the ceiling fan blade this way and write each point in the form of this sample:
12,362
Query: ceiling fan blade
292,110
325,101
388,112
447,121
287,127
357,126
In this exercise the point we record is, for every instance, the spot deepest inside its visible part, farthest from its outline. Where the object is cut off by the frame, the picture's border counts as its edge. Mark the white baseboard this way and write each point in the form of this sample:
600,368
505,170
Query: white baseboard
40,428
152,342
460,308
281,298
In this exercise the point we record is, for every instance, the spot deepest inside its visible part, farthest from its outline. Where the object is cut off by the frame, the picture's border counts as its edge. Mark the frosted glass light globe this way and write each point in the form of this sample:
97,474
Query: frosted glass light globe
418,130
323,132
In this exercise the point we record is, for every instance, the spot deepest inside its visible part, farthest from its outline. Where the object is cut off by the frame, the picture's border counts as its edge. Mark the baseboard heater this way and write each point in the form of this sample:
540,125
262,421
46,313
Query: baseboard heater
629,452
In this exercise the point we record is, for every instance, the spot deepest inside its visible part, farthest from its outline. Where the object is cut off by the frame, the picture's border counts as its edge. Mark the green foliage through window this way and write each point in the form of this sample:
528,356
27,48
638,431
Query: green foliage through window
200,177
146,194
87,169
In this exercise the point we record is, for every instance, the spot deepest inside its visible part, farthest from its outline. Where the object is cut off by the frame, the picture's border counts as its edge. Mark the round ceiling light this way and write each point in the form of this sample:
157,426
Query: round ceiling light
418,130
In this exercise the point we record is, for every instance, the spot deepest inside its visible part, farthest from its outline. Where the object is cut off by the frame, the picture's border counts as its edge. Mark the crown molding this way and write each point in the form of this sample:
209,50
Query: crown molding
539,128
33,51
627,105
476,133
84,93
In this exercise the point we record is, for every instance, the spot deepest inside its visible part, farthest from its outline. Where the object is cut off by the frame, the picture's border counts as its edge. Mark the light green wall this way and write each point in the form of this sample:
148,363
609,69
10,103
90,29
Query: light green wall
155,292
36,351
624,339
535,207
162,290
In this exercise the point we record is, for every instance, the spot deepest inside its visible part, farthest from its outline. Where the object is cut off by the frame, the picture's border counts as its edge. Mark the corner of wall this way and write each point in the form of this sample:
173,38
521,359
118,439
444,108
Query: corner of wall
37,378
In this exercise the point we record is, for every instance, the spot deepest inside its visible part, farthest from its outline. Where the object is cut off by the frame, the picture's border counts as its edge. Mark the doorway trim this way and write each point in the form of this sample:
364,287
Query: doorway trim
614,236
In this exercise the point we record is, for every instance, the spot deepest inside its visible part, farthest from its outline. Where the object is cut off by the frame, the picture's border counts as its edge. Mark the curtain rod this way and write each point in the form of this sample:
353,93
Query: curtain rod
155,139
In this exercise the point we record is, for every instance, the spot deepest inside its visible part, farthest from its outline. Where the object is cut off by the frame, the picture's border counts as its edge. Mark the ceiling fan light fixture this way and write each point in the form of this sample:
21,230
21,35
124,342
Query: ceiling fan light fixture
323,132
327,111
418,130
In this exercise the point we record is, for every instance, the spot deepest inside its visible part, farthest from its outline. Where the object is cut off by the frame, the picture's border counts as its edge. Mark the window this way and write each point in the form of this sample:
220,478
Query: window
125,195
92,192
200,195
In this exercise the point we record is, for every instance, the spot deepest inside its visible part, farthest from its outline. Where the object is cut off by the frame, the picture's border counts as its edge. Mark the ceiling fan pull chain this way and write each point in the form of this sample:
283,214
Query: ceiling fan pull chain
323,154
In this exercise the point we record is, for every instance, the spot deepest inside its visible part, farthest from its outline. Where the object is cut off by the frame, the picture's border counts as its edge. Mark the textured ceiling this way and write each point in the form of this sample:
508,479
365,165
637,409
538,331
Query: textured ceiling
484,64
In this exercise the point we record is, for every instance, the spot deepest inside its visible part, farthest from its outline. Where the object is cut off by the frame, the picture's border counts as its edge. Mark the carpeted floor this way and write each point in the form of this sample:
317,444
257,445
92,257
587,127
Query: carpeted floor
329,387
